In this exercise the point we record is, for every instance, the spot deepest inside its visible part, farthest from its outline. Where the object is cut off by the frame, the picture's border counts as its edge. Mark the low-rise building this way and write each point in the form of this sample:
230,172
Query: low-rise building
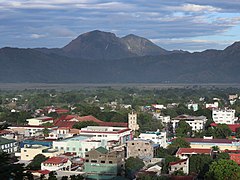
207,143
143,149
56,164
193,106
28,152
182,165
224,116
39,121
107,133
212,105
79,144
103,164
9,146
196,122
157,137
184,153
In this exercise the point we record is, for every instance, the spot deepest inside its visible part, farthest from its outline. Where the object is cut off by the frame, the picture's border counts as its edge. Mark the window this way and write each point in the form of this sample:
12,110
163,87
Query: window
86,149
67,148
110,162
94,161
132,143
87,160
25,150
61,148
145,149
138,149
87,155
102,161
74,149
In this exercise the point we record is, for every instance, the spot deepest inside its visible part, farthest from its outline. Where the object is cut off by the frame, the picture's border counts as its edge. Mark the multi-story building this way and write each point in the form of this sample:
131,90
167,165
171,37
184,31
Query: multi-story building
224,116
79,144
103,164
56,164
9,146
159,117
193,106
157,137
28,152
144,149
132,121
107,133
196,122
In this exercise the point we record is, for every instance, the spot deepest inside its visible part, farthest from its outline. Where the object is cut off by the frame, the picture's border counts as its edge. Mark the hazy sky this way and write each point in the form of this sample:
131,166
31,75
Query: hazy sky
172,24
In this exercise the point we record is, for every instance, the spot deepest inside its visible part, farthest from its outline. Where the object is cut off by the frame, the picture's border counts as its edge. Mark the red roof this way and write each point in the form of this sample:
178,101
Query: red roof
56,160
42,171
116,124
233,127
193,151
177,162
202,140
89,118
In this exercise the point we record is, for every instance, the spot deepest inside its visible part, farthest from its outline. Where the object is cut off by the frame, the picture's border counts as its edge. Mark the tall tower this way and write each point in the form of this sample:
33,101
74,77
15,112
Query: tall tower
132,121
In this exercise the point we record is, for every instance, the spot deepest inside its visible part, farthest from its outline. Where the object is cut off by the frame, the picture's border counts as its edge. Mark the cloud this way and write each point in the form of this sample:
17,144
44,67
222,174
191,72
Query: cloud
37,36
197,8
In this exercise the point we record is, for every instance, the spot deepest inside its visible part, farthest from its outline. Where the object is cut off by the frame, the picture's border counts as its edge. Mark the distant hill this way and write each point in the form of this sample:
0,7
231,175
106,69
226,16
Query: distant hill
101,57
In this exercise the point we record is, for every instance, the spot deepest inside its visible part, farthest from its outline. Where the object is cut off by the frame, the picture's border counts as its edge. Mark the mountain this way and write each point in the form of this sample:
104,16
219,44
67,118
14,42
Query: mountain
142,46
101,57
97,45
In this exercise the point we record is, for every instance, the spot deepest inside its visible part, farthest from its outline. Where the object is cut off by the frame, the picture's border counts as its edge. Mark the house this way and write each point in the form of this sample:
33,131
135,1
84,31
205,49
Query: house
192,106
9,146
234,155
224,116
232,127
196,122
212,105
144,149
56,164
101,163
28,152
157,137
182,165
62,133
184,153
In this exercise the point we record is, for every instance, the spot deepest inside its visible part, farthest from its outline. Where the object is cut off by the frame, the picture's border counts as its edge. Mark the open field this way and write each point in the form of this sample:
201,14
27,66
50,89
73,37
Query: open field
66,87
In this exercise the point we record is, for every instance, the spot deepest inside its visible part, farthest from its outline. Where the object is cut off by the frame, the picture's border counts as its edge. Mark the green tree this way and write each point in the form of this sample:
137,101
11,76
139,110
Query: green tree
178,143
199,164
223,169
223,155
215,148
45,131
222,131
132,165
36,162
52,176
83,124
179,173
237,133
183,129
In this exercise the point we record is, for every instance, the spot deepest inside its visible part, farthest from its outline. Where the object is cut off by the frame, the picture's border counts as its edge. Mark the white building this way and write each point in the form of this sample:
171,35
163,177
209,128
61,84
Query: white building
179,165
56,164
157,137
107,133
224,116
79,145
193,106
28,152
38,121
7,145
163,119
196,122
212,105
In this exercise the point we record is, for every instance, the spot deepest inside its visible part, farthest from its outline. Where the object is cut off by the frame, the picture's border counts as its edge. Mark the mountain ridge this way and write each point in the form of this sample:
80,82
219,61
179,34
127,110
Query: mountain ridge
145,63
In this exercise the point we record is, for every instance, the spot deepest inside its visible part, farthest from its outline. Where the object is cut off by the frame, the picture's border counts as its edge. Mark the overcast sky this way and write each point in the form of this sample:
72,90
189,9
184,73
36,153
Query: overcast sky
192,25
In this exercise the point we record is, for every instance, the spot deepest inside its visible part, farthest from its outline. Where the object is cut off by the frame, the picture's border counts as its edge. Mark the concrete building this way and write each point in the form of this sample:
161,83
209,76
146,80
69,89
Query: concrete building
56,164
182,165
224,116
144,149
28,152
196,122
212,105
39,121
157,137
103,164
132,121
159,117
9,146
79,144
107,133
